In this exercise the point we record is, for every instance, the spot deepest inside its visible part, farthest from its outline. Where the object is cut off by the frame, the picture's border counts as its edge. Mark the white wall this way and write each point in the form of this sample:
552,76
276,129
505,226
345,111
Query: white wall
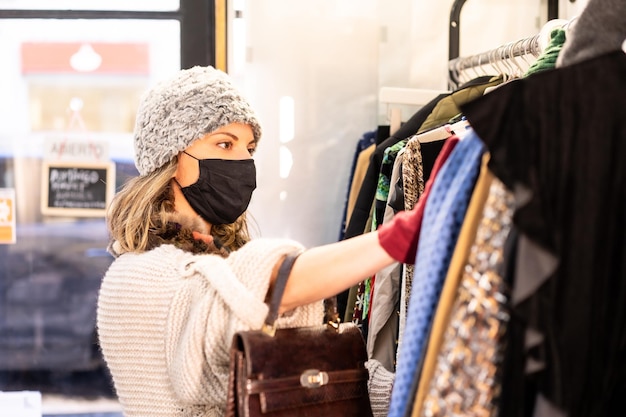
324,54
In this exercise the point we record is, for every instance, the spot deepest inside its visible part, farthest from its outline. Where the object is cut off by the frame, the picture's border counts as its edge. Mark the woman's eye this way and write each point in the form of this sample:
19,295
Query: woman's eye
252,150
225,145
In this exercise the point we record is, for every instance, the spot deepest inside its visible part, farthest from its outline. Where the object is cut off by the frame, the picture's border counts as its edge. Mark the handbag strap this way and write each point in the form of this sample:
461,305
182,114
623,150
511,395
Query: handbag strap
330,304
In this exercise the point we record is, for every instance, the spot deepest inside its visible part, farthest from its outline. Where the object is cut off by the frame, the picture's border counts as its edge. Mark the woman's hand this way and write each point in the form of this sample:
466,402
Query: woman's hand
206,238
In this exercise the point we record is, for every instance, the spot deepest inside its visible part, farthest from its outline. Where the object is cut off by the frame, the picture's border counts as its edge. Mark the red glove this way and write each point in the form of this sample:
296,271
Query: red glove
399,237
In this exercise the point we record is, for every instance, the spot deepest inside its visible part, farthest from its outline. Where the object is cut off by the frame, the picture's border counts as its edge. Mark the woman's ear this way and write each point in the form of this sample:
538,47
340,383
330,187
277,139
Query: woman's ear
175,173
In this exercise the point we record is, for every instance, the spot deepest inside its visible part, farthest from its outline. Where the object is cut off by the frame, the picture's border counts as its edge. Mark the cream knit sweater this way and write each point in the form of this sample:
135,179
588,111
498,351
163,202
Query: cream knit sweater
166,319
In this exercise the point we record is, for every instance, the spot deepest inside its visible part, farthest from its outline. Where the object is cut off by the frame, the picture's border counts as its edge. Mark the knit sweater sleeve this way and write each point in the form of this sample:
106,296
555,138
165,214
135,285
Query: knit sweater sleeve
379,386
218,298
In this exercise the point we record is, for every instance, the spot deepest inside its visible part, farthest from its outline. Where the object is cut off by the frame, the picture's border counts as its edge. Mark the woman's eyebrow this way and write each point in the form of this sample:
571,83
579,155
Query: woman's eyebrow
234,137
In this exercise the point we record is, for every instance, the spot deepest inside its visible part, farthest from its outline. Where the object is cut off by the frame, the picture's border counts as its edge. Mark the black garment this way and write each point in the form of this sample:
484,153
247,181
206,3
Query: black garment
558,140
368,139
396,200
382,133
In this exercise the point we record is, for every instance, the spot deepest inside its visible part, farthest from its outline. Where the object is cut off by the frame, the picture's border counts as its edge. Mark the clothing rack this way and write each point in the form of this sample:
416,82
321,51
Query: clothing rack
455,24
502,60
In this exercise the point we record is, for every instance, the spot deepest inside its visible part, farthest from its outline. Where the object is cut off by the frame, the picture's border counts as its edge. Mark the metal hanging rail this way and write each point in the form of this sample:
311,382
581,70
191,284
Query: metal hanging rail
455,24
494,58
502,59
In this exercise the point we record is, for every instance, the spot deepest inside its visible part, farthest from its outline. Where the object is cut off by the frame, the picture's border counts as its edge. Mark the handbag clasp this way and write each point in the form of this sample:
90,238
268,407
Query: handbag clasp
313,378
269,329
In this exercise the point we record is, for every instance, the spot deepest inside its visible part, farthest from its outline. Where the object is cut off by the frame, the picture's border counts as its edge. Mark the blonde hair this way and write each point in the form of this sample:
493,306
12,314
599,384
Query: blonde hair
146,202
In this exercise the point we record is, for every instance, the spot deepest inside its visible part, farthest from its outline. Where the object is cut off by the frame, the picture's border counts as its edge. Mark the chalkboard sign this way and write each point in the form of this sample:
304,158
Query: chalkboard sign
77,189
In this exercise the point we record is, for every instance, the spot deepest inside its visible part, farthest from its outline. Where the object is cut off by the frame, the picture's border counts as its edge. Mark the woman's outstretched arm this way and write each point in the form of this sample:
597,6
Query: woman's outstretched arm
326,270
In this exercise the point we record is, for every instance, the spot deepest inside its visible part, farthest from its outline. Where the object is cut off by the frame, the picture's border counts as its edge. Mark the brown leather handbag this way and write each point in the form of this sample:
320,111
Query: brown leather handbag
305,371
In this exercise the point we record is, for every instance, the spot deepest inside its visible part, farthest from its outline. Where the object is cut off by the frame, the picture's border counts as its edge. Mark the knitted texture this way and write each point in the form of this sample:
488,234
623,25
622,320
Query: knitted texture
379,386
166,319
600,28
548,58
177,111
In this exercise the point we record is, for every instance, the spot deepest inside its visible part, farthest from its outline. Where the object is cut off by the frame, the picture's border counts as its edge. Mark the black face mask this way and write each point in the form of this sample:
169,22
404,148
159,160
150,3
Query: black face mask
223,189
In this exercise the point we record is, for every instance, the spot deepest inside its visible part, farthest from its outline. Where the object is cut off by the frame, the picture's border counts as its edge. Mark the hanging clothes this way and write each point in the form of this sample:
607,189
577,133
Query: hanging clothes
547,60
360,220
558,139
448,107
448,293
361,214
439,115
414,190
405,289
467,375
443,217
396,280
365,289
436,114
473,388
364,148
382,335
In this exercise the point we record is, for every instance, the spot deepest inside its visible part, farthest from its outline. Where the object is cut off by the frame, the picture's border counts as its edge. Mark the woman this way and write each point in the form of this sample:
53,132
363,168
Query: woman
187,276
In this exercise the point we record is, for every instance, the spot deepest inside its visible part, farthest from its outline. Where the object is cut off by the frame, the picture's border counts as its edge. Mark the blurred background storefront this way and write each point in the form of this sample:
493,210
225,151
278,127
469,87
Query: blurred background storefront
71,76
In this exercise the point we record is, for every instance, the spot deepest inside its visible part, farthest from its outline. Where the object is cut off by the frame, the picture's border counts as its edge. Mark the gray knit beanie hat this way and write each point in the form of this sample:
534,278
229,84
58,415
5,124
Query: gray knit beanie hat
177,111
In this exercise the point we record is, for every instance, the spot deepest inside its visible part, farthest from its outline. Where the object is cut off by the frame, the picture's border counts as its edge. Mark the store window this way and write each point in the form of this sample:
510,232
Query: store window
90,86
72,75
152,5
76,87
